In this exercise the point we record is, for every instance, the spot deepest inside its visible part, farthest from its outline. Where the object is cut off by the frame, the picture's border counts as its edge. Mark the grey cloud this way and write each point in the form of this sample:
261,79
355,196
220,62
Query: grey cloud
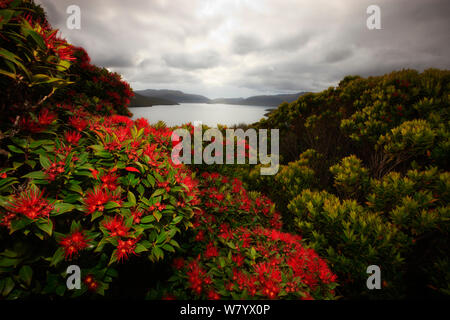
198,60
256,46
338,55
243,44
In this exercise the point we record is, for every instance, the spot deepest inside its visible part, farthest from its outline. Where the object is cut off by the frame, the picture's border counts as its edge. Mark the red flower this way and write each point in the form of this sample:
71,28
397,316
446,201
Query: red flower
72,137
96,200
125,248
30,204
238,259
94,173
90,282
109,181
212,295
211,251
78,123
178,263
3,175
74,243
116,227
46,117
195,277
5,3
132,169
137,214
200,236
55,169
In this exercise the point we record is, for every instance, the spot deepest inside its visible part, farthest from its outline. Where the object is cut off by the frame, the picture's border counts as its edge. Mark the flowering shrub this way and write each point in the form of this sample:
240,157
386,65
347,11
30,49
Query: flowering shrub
33,60
125,201
81,183
226,205
77,187
237,251
385,141
102,91
252,263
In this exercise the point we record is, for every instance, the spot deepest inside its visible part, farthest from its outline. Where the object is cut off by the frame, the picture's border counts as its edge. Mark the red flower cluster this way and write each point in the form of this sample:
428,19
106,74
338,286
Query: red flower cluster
74,243
44,119
30,204
90,282
96,200
125,248
265,263
72,137
55,169
78,123
116,227
109,181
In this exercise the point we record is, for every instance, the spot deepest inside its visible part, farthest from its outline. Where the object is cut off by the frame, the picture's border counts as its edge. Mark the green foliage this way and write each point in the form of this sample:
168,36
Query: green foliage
351,179
351,239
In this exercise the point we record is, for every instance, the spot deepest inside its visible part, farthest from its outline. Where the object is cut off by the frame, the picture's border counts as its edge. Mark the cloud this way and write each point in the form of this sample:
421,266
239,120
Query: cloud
234,48
244,44
198,60
338,55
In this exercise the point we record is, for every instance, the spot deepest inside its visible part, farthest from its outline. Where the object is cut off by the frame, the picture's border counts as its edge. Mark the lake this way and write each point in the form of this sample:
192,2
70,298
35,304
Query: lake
209,114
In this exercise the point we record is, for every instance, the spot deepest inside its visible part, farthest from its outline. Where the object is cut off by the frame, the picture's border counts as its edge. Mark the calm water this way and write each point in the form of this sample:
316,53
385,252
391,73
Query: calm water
209,114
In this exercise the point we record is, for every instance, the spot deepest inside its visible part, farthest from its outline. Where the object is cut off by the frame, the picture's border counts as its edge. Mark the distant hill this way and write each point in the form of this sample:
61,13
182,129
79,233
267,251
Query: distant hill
142,101
266,101
174,95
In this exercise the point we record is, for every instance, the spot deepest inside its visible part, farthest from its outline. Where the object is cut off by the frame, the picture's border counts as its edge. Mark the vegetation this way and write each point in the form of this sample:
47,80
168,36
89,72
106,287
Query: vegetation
364,181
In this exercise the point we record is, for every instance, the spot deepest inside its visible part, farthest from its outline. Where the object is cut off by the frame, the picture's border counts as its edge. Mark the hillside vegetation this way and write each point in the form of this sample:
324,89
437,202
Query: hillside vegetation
364,181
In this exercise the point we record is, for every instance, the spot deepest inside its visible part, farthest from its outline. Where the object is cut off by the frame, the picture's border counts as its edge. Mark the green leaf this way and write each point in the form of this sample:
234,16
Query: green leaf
111,205
15,59
158,192
96,215
13,148
157,253
162,237
76,188
131,198
45,162
147,219
35,175
140,248
168,247
25,275
157,215
61,207
57,257
177,219
19,224
46,226
36,37
8,286
151,180
113,257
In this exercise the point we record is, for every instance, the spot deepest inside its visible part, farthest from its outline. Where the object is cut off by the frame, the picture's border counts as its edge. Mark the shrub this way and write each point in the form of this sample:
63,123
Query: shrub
351,239
227,205
252,263
111,193
417,204
351,179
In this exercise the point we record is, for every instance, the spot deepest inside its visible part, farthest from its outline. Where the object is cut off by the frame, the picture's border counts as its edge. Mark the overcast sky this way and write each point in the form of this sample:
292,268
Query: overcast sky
233,48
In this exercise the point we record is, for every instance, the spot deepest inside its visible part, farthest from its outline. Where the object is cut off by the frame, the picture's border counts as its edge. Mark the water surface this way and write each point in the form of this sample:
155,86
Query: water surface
209,114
